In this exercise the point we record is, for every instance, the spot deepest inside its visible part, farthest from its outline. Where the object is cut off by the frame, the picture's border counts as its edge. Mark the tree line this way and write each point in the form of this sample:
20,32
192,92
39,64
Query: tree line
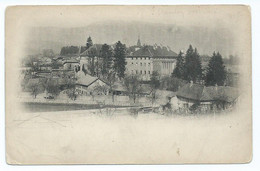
189,68
107,62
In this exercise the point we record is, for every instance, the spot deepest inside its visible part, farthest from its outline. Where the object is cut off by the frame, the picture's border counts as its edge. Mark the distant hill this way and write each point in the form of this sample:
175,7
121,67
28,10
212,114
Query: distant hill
176,37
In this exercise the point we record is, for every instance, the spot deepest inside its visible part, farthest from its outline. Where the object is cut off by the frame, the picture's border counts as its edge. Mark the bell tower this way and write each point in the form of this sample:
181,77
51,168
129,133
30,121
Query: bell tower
139,42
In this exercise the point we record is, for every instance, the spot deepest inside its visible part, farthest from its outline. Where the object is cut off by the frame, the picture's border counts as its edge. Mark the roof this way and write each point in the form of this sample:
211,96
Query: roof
93,50
152,51
171,94
86,80
70,61
190,91
212,93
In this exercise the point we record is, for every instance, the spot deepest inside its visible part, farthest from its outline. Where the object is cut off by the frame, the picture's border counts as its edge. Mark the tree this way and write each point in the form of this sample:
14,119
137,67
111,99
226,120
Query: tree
68,50
48,53
98,90
111,79
93,62
106,56
97,67
119,59
91,65
133,86
89,42
193,71
52,87
172,83
179,70
56,65
155,84
35,89
216,73
72,93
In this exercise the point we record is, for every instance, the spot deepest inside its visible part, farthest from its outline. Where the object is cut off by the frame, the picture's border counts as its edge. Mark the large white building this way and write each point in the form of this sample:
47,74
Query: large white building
141,60
146,59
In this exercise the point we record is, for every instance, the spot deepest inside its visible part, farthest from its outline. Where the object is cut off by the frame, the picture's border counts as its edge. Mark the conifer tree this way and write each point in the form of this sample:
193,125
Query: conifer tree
179,69
106,56
89,42
119,60
192,65
216,73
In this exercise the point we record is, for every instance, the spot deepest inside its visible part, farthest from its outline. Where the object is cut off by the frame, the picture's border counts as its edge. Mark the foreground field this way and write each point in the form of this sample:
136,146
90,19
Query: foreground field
115,136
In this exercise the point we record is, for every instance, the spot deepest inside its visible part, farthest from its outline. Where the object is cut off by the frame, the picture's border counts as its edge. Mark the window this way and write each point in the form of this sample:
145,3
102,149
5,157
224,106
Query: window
149,72
132,58
144,64
144,72
140,72
141,58
141,63
148,64
136,63
136,72
132,63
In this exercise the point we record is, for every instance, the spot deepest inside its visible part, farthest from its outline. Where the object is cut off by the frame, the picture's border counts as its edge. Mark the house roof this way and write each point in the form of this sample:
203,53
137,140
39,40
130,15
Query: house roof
212,93
191,91
70,61
152,51
93,50
171,94
86,80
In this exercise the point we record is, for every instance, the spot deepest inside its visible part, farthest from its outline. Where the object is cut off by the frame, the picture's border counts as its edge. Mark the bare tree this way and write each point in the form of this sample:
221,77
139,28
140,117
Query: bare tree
111,79
35,89
72,93
133,86
155,84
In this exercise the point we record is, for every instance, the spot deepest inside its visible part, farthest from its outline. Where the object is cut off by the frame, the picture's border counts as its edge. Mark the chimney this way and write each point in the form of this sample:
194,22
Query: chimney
191,83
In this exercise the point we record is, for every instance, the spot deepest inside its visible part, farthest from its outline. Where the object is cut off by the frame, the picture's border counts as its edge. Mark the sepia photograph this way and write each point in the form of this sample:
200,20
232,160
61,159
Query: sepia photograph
128,84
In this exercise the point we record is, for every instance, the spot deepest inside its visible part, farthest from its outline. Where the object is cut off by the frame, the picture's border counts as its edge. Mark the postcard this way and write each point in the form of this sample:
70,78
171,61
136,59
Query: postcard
128,84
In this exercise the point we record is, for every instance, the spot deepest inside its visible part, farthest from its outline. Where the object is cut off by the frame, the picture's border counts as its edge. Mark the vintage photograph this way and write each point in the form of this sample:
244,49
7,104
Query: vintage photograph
128,84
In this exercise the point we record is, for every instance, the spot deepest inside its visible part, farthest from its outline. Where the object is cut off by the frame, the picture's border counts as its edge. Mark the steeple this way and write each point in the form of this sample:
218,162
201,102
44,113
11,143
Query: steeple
139,42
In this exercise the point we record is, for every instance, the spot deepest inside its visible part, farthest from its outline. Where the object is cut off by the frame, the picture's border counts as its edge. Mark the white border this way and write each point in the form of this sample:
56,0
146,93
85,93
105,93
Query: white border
254,165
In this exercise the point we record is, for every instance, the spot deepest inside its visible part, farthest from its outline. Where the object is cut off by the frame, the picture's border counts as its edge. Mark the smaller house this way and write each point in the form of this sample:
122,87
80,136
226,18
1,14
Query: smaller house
89,85
195,96
70,64
118,88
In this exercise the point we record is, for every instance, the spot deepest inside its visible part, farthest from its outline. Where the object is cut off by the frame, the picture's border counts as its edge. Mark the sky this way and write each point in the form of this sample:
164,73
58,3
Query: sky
209,28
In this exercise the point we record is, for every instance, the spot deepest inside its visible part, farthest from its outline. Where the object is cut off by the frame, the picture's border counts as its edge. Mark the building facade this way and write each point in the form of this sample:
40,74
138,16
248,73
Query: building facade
143,61
145,65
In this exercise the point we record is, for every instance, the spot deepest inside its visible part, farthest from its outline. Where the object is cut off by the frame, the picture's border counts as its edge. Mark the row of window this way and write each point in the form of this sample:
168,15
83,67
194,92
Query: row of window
141,72
141,58
141,64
